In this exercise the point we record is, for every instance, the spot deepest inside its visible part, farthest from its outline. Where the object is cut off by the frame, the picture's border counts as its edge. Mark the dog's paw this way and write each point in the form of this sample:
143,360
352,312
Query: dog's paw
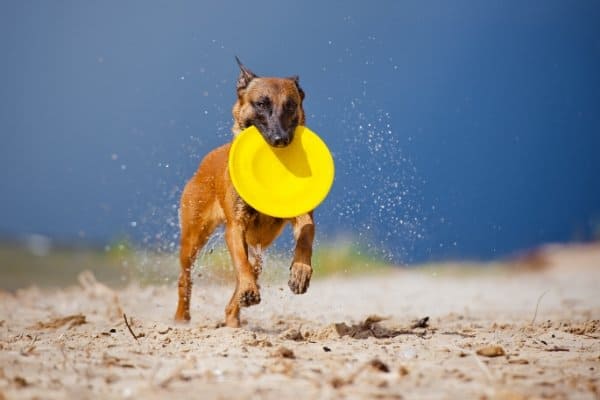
231,322
249,296
183,311
182,317
299,277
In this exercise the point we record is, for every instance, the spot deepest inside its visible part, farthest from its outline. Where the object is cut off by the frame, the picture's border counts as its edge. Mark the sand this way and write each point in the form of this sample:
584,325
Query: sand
447,333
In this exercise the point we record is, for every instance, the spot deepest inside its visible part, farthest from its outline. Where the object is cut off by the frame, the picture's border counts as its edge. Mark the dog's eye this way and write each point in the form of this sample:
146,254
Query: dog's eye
290,105
263,103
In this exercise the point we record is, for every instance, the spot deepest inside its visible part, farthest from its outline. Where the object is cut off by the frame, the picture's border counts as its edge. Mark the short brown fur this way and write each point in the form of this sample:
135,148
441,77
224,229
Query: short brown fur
209,199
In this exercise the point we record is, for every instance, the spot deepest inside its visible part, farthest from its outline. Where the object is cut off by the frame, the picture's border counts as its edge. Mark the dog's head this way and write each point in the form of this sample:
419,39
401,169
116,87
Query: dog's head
273,105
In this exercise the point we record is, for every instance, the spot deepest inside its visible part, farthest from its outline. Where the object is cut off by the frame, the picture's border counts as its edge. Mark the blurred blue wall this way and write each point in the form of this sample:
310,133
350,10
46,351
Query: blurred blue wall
460,129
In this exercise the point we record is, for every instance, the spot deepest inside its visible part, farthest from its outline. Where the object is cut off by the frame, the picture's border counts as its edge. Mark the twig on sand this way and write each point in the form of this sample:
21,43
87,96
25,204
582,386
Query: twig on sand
420,323
61,346
483,367
465,335
71,320
129,327
25,351
375,363
480,363
556,348
177,372
537,305
95,289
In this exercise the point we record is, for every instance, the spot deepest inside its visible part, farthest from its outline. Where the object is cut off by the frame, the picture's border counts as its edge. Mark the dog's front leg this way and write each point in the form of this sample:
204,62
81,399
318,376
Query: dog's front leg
246,290
301,269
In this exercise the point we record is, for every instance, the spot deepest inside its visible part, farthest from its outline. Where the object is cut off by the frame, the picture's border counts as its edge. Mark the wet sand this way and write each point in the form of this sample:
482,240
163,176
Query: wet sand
528,331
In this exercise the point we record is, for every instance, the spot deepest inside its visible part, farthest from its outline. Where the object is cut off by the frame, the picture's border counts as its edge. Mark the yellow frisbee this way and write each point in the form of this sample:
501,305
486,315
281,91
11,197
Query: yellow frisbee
282,182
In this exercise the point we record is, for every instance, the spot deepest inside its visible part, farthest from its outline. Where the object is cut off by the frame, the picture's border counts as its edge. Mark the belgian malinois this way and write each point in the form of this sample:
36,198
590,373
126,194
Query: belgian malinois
274,106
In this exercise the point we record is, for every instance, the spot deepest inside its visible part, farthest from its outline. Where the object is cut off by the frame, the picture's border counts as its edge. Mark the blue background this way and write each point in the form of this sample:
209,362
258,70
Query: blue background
462,129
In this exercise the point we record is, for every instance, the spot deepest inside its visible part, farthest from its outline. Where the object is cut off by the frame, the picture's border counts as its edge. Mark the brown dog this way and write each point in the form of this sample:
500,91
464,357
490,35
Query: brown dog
274,106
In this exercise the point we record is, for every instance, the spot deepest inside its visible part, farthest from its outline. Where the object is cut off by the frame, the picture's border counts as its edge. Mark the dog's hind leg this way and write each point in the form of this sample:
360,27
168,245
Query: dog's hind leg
246,289
301,268
198,221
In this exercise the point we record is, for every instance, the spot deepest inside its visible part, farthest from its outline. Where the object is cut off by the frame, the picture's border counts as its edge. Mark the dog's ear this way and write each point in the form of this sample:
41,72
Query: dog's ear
245,76
296,80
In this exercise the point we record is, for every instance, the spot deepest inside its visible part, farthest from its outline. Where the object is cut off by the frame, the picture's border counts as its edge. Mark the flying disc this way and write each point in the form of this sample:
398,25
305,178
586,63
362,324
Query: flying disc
282,182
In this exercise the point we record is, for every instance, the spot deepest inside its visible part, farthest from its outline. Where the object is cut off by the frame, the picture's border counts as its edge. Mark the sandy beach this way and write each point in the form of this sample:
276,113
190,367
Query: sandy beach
513,332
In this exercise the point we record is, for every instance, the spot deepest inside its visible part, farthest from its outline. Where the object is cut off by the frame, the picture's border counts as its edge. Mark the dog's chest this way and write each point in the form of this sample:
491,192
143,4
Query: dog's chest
260,229
263,229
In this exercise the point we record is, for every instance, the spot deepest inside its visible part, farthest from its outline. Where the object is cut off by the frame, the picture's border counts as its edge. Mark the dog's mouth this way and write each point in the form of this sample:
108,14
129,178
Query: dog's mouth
279,143
279,140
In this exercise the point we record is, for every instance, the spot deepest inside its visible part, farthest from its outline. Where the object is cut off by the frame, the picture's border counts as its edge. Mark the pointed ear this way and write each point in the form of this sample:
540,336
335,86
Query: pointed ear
296,80
245,75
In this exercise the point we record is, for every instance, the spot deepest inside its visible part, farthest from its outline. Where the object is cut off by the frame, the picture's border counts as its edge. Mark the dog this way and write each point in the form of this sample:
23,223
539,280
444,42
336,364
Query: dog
274,107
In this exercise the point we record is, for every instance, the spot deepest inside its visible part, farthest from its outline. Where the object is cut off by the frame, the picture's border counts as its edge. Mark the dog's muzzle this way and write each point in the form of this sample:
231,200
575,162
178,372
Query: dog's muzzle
279,140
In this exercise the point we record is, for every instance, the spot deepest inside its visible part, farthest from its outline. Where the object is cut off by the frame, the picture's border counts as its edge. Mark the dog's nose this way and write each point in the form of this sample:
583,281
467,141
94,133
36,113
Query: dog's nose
278,141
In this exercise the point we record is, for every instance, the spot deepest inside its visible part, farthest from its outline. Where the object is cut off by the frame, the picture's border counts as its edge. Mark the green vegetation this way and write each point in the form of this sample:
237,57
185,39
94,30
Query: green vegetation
20,267
344,257
120,263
